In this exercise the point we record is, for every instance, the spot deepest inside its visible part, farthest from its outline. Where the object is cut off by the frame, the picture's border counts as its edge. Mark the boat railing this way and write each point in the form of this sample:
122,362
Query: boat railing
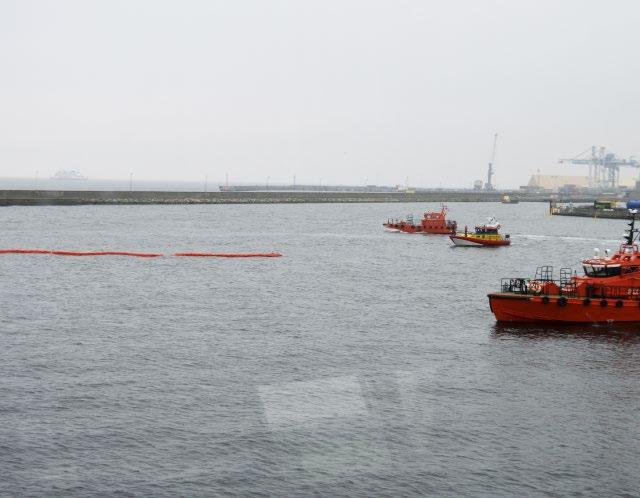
515,285
544,273
533,287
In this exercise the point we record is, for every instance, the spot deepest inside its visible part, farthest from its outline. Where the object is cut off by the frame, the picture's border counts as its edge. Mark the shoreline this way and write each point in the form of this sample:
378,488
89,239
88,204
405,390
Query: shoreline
103,197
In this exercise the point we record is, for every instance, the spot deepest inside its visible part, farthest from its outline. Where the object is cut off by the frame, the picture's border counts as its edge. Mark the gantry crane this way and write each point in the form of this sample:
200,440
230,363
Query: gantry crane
604,167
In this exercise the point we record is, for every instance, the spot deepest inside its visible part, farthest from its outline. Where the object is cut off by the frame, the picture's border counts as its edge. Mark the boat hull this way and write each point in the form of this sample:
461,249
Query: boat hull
460,240
421,229
393,227
525,308
406,228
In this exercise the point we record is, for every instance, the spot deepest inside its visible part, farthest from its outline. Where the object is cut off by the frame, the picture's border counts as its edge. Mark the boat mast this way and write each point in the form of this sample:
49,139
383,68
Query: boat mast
632,229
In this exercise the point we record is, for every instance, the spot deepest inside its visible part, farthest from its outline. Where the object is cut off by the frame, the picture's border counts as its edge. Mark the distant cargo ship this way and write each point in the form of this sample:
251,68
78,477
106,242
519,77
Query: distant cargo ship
64,174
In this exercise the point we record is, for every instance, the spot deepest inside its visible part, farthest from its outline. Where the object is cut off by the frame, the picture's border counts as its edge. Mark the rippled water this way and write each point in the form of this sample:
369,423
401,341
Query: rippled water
362,363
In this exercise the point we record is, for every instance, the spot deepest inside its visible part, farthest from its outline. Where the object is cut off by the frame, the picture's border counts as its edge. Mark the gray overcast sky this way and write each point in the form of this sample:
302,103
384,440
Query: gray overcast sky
343,90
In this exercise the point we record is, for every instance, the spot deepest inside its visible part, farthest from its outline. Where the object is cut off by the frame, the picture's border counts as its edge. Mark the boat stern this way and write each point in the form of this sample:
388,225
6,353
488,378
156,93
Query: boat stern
508,307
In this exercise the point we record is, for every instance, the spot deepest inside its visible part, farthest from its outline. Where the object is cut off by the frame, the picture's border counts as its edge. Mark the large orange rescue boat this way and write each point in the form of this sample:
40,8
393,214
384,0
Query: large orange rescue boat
609,291
432,222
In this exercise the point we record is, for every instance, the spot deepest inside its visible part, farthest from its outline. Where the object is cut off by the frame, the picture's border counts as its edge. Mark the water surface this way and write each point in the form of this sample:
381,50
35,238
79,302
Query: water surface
362,363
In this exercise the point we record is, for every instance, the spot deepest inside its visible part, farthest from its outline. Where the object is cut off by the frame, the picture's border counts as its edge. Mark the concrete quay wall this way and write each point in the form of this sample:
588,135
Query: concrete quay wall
84,197
591,212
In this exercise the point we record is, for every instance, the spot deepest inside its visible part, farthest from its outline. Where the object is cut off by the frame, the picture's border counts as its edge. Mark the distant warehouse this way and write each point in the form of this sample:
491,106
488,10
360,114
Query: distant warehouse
555,183
564,183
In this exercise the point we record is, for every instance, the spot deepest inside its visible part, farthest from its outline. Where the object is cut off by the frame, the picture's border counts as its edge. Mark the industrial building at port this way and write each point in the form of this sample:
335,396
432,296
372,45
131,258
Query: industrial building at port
604,175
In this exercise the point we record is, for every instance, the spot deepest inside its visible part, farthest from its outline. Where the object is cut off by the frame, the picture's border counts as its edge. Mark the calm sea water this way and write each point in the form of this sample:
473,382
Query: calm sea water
362,363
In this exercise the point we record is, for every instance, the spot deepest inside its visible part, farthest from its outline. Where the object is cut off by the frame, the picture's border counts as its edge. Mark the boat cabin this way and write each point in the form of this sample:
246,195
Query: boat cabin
487,229
601,271
625,261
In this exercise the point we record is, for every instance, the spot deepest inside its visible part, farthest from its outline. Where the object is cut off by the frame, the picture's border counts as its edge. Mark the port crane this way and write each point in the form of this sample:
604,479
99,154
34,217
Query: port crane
489,185
604,167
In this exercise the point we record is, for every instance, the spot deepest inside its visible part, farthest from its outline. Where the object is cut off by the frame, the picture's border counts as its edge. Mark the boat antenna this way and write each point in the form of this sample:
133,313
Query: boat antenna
632,229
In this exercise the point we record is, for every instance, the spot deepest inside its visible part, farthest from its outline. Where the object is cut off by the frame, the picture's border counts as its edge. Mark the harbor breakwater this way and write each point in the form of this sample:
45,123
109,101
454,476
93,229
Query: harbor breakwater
92,197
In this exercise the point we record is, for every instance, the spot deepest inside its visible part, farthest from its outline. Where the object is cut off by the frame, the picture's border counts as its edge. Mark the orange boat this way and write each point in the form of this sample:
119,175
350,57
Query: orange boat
432,222
609,291
484,235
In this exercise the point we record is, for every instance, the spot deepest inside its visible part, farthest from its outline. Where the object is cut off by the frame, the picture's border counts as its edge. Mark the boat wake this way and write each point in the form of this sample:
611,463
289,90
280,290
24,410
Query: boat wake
564,237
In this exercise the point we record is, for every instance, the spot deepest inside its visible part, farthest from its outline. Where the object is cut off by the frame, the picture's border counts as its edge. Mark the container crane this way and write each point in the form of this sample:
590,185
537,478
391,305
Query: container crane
604,167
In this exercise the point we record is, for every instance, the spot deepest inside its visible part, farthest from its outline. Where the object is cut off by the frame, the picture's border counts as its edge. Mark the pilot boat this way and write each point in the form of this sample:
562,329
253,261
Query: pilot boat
432,222
609,290
483,235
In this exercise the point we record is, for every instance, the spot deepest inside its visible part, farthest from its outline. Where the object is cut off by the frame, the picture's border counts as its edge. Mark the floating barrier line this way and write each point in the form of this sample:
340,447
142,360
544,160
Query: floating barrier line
108,253
81,253
227,255
24,251
144,254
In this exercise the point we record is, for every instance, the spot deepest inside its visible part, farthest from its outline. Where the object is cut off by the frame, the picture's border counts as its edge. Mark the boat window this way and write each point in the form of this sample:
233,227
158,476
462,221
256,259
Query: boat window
601,271
630,269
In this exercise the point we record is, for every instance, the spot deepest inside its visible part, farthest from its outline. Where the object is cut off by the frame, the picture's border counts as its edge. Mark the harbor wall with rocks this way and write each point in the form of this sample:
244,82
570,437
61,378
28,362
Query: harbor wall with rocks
70,197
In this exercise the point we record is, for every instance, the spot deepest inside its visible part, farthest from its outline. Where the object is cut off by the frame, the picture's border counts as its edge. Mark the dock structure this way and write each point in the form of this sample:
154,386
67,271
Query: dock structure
592,210
98,197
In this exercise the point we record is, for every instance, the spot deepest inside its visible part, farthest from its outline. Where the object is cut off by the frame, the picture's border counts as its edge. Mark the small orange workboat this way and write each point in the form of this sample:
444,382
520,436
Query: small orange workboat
484,235
432,222
609,291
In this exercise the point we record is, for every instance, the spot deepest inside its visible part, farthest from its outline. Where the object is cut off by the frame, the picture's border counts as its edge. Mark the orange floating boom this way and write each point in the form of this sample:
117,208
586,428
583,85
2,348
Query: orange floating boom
81,253
229,255
144,254
24,251
107,253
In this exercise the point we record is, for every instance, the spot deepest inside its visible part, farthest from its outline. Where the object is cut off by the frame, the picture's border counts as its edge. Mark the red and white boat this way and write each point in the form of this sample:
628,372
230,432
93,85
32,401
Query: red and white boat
432,222
483,235
609,291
